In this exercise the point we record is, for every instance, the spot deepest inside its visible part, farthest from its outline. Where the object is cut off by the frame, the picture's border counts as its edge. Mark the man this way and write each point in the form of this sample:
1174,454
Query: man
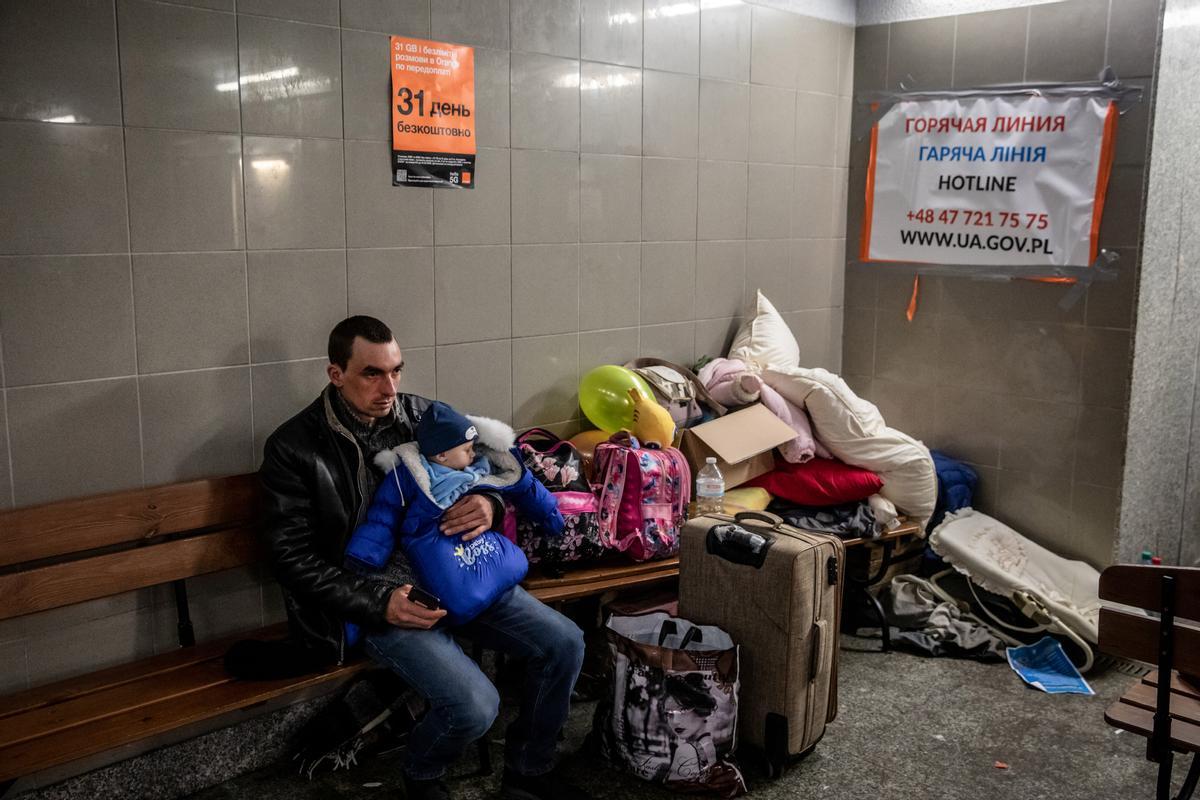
318,478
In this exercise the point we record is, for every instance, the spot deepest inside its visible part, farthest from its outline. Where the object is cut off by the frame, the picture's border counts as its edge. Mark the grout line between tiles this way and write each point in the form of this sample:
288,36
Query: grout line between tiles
953,50
1107,33
887,57
12,475
1028,33
246,236
137,383
579,247
512,377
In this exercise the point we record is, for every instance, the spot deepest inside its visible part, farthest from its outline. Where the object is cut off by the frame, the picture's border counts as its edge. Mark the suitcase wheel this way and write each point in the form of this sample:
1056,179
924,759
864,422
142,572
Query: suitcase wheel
775,753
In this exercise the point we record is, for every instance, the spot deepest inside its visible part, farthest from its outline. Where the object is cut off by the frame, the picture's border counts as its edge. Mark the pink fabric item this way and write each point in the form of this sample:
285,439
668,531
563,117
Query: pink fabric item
732,383
510,522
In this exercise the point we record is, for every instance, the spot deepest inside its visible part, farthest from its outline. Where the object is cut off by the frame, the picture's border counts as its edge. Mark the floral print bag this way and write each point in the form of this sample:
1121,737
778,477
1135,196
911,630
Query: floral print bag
559,467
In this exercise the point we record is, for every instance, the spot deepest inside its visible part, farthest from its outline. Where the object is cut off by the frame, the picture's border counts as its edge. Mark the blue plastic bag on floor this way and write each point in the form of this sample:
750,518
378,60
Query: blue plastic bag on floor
1045,666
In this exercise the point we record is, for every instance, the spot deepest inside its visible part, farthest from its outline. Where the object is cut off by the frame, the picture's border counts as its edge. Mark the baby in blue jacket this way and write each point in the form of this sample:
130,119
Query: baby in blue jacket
452,456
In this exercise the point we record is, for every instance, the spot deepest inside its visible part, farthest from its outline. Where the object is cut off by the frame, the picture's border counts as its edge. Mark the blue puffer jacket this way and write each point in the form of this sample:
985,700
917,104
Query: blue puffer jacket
466,576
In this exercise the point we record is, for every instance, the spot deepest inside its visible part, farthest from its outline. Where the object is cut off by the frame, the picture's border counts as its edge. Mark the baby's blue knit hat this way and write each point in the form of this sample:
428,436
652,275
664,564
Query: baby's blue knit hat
442,428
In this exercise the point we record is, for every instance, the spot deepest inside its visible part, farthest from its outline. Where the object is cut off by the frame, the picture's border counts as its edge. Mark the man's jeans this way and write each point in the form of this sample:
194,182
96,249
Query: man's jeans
464,703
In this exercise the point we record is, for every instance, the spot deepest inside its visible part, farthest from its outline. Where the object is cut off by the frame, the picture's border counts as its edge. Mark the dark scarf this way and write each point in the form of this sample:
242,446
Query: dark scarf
372,438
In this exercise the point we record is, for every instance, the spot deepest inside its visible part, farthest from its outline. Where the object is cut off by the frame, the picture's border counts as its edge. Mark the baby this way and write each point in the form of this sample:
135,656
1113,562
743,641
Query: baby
452,456
446,441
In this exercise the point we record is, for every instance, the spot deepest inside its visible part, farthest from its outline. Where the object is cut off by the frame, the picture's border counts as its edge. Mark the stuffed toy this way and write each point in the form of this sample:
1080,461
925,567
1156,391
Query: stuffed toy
651,422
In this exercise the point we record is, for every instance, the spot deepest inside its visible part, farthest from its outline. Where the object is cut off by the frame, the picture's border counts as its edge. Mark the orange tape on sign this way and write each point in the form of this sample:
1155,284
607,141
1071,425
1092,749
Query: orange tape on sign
433,113
1102,175
869,205
912,301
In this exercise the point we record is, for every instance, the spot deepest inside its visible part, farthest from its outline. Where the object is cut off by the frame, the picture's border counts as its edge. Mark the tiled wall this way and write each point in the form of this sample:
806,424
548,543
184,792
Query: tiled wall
174,249
1033,396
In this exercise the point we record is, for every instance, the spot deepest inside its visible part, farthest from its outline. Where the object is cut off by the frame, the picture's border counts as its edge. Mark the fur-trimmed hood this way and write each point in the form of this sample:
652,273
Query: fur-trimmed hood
496,441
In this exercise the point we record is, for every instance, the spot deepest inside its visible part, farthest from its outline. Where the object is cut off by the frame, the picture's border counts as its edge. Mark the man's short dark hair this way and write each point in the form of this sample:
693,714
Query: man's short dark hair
341,338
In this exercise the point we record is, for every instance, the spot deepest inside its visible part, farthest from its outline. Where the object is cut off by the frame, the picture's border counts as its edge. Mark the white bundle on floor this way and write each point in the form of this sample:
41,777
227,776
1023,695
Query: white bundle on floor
997,558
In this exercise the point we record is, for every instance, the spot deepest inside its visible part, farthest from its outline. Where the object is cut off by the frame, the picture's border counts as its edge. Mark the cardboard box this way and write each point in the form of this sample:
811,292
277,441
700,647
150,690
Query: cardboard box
742,442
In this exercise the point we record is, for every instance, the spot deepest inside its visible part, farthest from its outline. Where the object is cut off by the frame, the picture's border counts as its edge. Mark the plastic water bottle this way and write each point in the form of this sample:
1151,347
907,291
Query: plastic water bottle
710,489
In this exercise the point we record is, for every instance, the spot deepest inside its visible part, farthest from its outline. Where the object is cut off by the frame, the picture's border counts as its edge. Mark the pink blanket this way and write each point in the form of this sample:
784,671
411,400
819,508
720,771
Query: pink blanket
732,383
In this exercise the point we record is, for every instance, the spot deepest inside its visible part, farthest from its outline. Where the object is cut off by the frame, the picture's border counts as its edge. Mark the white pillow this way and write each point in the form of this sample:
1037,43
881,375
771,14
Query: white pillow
765,339
854,431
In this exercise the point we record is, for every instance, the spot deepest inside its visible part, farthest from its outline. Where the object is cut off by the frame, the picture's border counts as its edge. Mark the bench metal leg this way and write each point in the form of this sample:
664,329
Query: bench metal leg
1189,783
861,604
187,635
885,628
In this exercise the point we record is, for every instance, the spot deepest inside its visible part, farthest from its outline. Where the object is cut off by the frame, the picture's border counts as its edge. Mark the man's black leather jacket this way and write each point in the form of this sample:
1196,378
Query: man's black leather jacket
313,478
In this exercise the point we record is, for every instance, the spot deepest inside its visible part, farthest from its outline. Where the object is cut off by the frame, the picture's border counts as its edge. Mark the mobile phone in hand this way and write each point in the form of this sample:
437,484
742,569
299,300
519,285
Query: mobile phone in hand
424,599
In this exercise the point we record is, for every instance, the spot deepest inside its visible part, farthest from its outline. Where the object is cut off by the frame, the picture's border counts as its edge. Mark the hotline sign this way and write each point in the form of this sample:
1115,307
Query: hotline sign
433,113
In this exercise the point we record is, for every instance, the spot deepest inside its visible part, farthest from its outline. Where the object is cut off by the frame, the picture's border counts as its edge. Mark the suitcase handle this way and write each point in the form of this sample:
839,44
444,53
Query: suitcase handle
739,545
774,520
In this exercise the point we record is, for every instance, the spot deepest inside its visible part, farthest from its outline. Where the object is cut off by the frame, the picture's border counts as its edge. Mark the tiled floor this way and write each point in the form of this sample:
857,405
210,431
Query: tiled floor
908,727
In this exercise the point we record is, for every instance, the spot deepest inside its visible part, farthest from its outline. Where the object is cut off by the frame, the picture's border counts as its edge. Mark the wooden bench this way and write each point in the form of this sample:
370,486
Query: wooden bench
74,551
1166,710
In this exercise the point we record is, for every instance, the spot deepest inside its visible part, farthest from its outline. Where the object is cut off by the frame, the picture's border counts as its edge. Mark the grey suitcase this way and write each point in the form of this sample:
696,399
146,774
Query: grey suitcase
777,591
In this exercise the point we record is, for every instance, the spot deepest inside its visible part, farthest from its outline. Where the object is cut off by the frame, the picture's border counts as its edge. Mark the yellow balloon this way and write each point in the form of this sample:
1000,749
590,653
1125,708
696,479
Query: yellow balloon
604,396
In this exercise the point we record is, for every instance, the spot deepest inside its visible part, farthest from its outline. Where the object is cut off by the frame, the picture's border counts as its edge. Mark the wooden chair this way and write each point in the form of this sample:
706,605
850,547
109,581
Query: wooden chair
1165,706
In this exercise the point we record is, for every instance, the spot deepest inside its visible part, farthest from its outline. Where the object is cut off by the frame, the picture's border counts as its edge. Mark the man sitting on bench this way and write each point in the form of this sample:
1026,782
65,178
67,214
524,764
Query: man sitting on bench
318,477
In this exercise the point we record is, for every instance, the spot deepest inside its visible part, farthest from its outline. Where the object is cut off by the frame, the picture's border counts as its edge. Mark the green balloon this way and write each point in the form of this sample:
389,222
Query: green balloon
604,396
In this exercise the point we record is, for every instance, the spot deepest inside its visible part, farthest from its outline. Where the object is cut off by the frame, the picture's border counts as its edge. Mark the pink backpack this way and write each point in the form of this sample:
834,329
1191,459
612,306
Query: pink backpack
644,494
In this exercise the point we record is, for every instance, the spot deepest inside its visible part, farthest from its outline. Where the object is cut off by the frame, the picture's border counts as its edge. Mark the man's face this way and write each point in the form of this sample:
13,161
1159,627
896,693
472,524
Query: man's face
371,377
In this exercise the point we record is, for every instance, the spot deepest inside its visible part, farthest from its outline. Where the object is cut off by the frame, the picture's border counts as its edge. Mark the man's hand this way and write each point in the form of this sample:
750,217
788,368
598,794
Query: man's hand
472,514
404,613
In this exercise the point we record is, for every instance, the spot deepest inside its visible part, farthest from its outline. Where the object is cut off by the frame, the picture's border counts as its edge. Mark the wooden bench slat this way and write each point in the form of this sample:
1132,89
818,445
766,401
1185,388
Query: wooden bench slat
150,720
1135,636
573,591
87,579
1141,586
51,719
906,528
71,688
1185,737
1178,684
600,573
71,526
1144,695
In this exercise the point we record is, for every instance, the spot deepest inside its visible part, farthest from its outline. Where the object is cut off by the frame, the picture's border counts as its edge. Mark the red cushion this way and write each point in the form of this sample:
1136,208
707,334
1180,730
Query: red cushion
819,482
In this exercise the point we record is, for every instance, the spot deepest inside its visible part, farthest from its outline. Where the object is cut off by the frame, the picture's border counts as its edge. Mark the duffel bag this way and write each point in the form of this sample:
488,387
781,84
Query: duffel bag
558,465
678,390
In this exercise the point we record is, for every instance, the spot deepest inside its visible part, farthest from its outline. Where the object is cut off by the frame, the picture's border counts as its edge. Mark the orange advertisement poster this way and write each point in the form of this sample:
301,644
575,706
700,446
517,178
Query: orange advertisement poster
433,113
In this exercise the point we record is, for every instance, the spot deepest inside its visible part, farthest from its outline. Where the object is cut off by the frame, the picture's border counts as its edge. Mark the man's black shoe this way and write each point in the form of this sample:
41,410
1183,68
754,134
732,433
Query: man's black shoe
550,786
435,789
